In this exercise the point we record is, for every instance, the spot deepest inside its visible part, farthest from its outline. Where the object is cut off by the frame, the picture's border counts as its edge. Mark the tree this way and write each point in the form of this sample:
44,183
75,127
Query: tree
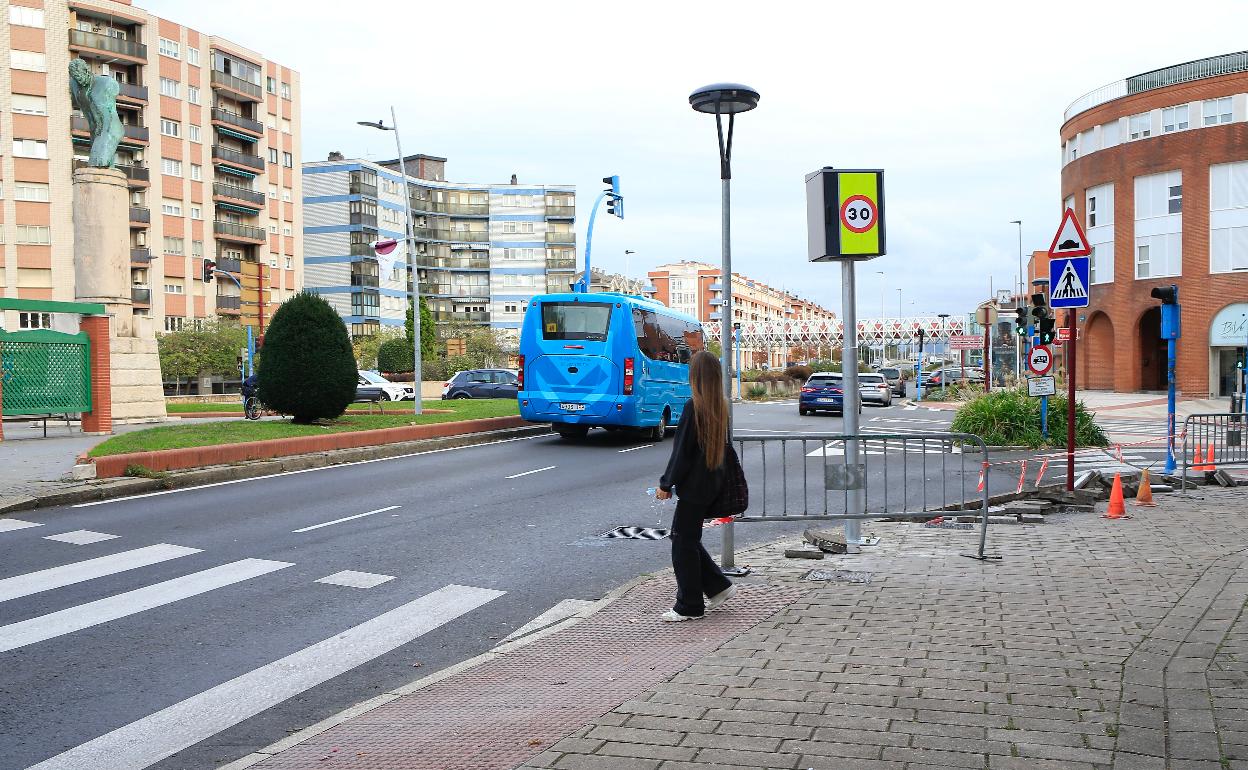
308,369
428,330
395,355
366,347
209,350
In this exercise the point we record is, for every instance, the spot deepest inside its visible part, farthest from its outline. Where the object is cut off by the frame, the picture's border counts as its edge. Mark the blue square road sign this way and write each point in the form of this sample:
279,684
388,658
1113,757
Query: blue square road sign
1068,282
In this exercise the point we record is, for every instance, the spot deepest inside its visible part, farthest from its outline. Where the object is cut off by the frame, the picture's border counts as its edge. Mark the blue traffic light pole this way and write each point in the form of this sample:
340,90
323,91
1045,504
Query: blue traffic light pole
617,208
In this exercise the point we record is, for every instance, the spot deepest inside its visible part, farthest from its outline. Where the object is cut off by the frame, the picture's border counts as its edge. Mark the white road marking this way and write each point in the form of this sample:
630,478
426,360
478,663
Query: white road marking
635,448
564,609
345,518
528,473
10,525
81,537
353,579
58,577
133,602
305,470
147,741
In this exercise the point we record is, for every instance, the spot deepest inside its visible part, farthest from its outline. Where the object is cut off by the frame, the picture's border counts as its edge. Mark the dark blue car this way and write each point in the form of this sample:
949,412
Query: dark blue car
822,393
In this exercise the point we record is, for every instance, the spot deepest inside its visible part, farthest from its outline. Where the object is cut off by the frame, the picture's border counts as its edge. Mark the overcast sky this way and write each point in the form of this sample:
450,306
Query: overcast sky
959,103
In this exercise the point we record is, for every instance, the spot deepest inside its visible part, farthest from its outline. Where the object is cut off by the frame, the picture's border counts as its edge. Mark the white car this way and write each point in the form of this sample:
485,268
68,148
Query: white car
393,391
874,388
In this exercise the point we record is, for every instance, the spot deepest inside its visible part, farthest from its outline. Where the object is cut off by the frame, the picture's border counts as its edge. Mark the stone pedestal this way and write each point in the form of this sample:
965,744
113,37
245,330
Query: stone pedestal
102,274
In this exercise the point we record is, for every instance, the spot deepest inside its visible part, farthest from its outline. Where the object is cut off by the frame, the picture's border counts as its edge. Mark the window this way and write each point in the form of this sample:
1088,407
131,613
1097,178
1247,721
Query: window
31,61
192,94
286,230
171,207
39,235
1158,256
169,48
517,227
1228,217
169,87
174,323
288,160
272,228
1157,195
288,262
286,194
273,191
285,90
170,127
29,104
1111,134
1215,110
270,85
1228,186
197,248
1174,201
1174,119
33,320
25,17
285,125
1101,263
175,246
272,154
1141,126
197,212
192,58
30,148
1100,206
30,191
170,167
192,132
173,288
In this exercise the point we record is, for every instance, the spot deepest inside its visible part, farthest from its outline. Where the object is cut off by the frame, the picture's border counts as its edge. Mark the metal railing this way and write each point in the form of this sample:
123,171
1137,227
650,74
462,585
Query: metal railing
140,255
561,263
469,209
461,315
1160,78
238,193
470,236
238,121
562,212
229,265
1225,432
236,157
808,477
133,91
356,187
78,37
141,295
554,236
237,230
223,80
227,302
452,263
140,214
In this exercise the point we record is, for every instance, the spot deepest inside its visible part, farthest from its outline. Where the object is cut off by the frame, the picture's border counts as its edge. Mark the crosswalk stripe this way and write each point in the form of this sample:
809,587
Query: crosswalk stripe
11,525
149,740
59,577
352,579
81,537
133,602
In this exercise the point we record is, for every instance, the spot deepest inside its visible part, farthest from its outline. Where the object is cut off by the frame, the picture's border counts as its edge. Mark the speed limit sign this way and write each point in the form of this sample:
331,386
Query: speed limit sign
1040,360
845,214
858,213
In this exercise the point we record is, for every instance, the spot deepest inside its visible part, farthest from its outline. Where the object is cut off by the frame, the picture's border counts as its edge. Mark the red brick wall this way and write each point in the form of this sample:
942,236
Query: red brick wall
1201,293
100,419
1096,347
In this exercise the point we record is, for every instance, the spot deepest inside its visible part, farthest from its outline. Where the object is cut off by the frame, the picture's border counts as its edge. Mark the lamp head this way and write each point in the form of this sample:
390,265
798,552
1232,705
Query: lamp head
724,99
372,124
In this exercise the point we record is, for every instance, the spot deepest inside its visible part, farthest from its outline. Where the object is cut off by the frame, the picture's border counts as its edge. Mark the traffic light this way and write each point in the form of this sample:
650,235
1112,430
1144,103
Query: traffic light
616,206
209,268
922,334
1043,318
613,184
1047,331
1169,296
615,201
1020,322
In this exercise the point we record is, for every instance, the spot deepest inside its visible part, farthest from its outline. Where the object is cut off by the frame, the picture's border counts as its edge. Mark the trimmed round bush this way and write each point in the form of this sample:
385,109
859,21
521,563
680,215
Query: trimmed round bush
396,355
1012,418
799,372
307,369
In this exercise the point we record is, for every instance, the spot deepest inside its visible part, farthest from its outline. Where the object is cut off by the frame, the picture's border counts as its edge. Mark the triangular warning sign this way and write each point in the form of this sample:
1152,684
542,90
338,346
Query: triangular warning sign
1068,285
1070,240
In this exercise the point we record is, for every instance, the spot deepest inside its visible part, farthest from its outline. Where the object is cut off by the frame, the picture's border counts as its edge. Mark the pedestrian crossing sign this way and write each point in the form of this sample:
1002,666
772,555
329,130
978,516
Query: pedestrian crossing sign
1068,282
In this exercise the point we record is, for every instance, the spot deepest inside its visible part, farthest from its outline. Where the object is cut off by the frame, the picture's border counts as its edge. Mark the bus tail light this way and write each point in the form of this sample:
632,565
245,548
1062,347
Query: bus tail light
520,373
628,376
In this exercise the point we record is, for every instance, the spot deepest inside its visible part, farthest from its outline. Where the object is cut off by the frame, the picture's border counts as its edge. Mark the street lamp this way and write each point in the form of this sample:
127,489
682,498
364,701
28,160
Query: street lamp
883,336
720,99
1022,292
627,278
409,247
943,333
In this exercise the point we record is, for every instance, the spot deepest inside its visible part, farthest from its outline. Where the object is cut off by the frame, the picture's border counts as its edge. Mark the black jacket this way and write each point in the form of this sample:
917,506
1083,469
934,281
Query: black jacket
686,469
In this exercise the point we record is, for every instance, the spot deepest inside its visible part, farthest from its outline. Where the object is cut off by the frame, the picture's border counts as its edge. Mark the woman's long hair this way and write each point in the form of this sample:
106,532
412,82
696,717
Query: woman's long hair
710,409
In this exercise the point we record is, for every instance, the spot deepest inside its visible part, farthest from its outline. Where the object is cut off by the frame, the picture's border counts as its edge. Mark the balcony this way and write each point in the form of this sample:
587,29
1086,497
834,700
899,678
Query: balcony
237,85
133,93
234,231
236,158
140,295
561,263
428,289
363,250
94,41
421,204
356,187
140,255
227,303
365,281
468,209
229,265
470,236
452,263
136,134
237,121
443,316
715,287
135,173
561,212
716,316
431,233
716,302
554,236
140,214
360,218
241,194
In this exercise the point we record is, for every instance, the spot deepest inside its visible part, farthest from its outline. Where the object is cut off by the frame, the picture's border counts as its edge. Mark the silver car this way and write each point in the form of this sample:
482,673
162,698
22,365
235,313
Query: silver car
874,388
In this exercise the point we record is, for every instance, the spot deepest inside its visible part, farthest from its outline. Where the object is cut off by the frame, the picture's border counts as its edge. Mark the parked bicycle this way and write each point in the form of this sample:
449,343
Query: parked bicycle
252,407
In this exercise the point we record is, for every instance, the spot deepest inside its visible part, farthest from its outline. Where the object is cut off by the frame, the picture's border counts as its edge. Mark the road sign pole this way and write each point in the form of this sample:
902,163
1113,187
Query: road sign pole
987,355
1044,416
1071,321
851,398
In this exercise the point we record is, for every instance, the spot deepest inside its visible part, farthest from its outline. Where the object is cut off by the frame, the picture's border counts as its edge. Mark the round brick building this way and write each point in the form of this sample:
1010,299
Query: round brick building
1156,168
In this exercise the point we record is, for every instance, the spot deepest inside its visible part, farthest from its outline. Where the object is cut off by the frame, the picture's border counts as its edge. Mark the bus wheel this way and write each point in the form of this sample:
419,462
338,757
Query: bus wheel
660,430
572,432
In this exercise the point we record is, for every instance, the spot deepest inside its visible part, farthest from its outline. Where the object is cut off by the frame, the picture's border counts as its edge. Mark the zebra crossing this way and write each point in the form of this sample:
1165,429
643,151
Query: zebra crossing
159,735
1134,426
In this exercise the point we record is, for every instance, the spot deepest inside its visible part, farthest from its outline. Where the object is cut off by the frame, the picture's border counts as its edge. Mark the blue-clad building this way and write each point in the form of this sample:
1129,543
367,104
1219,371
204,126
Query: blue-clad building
482,250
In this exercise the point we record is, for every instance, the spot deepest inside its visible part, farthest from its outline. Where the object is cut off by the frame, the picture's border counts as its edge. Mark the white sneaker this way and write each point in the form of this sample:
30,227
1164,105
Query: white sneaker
672,616
718,599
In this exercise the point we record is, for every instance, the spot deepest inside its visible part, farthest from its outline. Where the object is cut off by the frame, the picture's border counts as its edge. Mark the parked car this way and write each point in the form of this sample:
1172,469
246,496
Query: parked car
391,391
874,388
822,393
482,383
952,375
892,375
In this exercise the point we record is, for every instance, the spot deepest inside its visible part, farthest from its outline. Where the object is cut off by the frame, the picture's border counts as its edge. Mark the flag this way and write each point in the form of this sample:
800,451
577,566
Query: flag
391,254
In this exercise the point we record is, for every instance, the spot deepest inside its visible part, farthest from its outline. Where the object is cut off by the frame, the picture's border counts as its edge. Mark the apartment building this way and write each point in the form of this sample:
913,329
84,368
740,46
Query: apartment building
483,251
211,151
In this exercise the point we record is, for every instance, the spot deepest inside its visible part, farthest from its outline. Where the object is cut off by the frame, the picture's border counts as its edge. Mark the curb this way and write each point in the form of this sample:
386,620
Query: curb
125,487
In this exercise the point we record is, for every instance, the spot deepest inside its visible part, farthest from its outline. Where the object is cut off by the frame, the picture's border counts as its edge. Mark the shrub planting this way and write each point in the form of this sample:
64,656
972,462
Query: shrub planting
308,367
1012,418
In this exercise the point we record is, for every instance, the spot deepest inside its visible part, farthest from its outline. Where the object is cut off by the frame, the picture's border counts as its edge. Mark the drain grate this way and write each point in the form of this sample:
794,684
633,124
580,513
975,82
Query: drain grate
636,533
838,576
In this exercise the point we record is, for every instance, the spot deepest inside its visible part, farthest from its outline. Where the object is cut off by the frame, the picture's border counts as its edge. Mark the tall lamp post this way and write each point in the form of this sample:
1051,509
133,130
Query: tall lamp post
1022,293
409,247
944,332
720,99
627,278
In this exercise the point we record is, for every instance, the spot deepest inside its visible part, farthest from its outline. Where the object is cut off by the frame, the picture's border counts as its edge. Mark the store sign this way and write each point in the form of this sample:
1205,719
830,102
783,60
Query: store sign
1230,326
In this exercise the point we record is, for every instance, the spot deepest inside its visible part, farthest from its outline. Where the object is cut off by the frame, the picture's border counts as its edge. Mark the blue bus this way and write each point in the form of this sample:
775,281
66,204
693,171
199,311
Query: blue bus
605,360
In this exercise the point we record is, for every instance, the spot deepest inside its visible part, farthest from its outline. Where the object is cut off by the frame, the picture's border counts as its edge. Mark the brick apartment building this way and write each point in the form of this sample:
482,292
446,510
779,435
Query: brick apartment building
1156,168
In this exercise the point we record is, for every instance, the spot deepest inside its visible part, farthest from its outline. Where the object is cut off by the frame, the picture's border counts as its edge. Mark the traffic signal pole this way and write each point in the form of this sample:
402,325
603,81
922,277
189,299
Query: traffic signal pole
1071,321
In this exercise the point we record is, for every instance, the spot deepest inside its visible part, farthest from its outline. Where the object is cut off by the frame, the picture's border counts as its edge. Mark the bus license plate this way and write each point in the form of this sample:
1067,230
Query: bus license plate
572,407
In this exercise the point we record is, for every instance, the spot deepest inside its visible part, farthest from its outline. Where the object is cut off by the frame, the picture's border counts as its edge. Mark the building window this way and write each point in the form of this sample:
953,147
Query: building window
1217,111
1159,256
174,323
169,87
1158,195
197,173
170,127
37,235
31,61
289,260
1091,211
25,17
273,192
270,85
285,125
197,248
286,230
285,90
1174,119
170,167
192,132
169,48
30,148
197,212
192,94
192,58
288,160
34,320
286,194
272,228
171,207
1174,200
272,154
30,191
1141,126
29,104
175,246
1101,263
173,288
1228,217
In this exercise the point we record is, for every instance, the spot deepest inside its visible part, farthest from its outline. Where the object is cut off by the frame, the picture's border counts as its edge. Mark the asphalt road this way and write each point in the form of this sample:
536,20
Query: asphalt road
189,628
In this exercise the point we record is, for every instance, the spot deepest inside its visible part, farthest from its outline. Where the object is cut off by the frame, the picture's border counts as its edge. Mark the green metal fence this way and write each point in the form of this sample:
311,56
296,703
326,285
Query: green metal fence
45,372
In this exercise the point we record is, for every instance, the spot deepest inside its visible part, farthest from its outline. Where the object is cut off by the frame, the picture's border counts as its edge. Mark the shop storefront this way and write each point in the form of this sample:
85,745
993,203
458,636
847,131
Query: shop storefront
1228,334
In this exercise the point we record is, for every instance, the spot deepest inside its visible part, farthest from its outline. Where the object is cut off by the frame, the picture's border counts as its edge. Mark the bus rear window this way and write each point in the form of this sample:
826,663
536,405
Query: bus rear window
576,321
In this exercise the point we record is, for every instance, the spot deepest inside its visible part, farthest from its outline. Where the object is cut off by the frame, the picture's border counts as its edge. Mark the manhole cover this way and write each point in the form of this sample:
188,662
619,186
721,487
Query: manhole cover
838,576
948,525
635,533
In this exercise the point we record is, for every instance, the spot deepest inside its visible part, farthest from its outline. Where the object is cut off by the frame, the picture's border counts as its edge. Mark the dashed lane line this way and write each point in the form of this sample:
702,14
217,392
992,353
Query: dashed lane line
345,518
530,473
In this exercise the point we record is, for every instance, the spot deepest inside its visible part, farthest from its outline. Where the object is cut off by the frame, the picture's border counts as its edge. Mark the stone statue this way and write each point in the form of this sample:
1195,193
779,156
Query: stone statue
96,97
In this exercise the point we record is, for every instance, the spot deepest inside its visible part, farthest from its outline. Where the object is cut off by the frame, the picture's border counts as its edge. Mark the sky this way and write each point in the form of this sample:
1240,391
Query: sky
959,103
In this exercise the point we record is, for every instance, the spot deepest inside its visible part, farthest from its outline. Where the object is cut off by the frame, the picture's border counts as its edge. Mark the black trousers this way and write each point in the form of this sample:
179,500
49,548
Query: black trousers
697,574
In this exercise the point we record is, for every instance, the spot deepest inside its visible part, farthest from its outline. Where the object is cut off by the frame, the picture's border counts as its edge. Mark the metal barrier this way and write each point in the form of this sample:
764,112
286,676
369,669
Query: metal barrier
892,477
1224,431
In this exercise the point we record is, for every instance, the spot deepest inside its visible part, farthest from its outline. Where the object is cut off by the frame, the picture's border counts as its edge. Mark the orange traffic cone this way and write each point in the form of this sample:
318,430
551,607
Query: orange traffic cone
1145,495
1209,465
1117,508
1198,463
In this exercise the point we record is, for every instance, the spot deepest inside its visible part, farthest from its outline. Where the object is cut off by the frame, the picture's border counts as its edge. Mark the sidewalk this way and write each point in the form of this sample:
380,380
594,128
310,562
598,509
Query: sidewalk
1092,644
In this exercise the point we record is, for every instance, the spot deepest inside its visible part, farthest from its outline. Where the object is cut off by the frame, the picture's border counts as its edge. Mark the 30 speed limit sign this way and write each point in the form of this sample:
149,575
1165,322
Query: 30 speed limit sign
858,213
1040,360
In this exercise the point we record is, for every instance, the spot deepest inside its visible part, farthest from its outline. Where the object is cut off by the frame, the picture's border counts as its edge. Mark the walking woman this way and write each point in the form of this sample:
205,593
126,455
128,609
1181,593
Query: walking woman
696,471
